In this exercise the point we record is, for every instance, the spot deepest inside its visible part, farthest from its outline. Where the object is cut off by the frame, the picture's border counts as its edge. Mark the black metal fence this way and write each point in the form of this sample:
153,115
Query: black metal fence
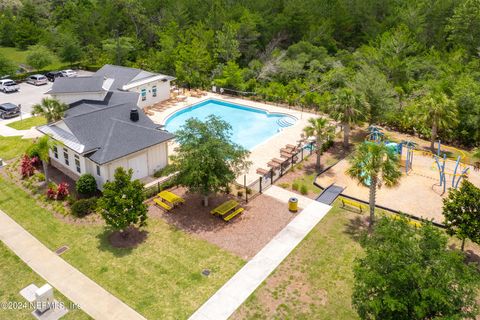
257,187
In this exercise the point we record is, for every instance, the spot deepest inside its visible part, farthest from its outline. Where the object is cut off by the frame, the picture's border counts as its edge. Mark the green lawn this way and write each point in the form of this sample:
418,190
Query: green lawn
28,123
160,279
11,147
16,275
315,281
20,57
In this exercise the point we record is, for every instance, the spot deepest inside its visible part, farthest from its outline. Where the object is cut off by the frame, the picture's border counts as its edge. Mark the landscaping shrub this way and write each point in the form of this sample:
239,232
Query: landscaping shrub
36,161
83,207
150,192
295,186
249,191
327,145
303,189
165,171
284,185
26,167
62,191
239,193
39,176
51,193
86,184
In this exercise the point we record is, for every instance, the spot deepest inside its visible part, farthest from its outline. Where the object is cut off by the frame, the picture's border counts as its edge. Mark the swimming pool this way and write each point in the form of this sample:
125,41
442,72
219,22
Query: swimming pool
250,126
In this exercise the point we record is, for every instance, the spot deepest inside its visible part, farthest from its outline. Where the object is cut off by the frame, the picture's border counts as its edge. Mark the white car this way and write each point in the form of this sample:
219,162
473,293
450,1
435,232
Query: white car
69,73
8,85
37,79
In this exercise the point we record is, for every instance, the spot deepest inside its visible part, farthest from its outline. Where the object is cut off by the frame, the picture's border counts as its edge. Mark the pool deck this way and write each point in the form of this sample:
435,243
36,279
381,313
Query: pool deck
262,153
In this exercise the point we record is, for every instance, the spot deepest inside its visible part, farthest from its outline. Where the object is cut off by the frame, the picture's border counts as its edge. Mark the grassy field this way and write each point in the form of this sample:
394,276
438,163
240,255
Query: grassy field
16,275
315,281
20,57
11,147
28,123
161,278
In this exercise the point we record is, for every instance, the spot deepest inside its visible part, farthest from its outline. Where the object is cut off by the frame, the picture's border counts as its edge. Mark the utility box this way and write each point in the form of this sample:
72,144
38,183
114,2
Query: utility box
44,298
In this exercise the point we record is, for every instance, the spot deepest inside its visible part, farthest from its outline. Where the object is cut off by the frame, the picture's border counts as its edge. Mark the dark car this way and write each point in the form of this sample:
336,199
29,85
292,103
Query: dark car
52,75
9,110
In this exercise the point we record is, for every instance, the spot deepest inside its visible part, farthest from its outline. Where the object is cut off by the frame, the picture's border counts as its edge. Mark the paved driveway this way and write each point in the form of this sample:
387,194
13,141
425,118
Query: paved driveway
30,94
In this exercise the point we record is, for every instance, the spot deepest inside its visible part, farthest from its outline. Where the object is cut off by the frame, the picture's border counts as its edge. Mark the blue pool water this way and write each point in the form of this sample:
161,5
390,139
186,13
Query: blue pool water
250,126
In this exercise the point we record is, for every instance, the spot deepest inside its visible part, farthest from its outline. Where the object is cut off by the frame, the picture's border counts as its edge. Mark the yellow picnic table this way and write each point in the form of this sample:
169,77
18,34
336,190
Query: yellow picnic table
170,197
225,207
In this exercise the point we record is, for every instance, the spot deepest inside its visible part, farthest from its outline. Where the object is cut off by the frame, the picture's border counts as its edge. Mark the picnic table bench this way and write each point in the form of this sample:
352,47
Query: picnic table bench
224,210
352,204
171,197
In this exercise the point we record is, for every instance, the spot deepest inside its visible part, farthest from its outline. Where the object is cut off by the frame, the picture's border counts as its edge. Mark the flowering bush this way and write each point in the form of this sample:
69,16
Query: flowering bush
51,193
62,191
26,167
35,161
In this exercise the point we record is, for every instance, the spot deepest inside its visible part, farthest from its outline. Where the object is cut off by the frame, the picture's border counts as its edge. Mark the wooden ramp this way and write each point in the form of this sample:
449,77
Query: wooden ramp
330,194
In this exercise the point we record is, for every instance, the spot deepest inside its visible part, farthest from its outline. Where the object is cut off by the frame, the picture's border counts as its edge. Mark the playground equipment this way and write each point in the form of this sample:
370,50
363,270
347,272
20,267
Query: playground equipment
456,177
375,134
409,147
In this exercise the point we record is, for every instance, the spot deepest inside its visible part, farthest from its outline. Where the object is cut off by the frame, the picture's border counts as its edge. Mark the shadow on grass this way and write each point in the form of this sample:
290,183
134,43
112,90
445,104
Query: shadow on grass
357,228
121,244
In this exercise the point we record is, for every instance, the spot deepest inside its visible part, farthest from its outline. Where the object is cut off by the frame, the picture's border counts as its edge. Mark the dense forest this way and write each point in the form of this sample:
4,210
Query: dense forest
409,64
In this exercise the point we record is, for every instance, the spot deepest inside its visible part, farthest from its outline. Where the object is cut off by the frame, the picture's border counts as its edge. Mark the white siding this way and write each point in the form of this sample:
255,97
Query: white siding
163,93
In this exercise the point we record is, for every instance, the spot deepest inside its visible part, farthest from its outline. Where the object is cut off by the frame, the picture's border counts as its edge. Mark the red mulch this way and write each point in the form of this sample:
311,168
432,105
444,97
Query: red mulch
244,235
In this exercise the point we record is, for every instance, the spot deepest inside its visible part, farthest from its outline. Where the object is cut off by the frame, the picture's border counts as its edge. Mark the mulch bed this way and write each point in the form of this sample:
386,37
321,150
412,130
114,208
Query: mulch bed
244,235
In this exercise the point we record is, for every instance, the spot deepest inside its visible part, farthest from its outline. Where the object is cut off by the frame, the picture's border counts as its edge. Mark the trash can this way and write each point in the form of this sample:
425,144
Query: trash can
293,204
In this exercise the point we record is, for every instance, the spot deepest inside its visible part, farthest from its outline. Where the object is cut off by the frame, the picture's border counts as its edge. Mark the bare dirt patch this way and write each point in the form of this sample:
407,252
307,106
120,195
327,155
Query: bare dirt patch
244,235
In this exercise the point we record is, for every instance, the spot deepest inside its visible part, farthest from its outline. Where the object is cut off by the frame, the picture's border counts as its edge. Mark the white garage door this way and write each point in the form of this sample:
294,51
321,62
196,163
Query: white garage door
139,166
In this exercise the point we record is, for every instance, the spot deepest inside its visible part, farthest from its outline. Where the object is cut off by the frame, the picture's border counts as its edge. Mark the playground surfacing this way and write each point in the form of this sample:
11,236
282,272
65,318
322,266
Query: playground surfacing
417,193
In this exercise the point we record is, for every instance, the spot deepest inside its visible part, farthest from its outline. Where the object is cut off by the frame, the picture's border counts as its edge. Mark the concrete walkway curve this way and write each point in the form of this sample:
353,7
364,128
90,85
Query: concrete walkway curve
233,293
92,298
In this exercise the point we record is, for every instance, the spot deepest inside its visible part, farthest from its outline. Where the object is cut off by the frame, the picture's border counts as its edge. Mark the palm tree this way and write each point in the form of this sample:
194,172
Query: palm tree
349,109
373,165
438,111
41,147
321,129
49,108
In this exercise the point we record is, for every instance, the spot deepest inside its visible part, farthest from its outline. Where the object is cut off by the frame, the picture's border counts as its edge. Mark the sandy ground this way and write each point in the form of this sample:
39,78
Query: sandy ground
418,193
244,235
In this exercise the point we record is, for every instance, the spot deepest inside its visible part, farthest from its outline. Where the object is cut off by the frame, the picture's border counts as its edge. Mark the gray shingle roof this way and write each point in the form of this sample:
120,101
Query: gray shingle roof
109,134
77,85
111,99
125,75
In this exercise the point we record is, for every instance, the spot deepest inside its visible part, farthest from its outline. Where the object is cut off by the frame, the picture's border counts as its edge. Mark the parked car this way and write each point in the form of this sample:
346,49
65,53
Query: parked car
37,79
69,73
52,75
8,85
9,110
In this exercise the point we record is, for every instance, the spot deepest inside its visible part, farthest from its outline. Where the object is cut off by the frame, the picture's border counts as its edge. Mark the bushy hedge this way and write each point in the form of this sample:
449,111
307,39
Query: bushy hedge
83,207
86,184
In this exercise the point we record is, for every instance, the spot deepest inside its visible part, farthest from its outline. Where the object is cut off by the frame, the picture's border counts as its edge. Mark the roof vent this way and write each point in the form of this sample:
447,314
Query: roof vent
134,115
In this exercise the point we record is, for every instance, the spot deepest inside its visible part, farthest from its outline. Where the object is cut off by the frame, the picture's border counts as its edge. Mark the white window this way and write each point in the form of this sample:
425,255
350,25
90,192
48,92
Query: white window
154,91
55,152
66,157
77,164
98,171
144,94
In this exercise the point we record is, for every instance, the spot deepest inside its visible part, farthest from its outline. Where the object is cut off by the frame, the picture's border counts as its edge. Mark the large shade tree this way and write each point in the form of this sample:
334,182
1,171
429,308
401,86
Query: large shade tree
375,165
122,204
207,160
461,210
52,109
322,131
349,108
410,274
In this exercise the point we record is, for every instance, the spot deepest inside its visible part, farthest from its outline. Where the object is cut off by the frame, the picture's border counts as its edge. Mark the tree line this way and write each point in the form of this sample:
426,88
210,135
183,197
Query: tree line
410,65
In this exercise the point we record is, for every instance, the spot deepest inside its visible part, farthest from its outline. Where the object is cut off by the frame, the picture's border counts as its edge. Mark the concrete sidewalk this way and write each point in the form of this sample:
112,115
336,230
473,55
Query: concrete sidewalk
92,299
229,297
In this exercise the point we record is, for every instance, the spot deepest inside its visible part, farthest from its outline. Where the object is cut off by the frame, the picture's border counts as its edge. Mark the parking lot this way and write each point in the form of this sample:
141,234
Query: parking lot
30,94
